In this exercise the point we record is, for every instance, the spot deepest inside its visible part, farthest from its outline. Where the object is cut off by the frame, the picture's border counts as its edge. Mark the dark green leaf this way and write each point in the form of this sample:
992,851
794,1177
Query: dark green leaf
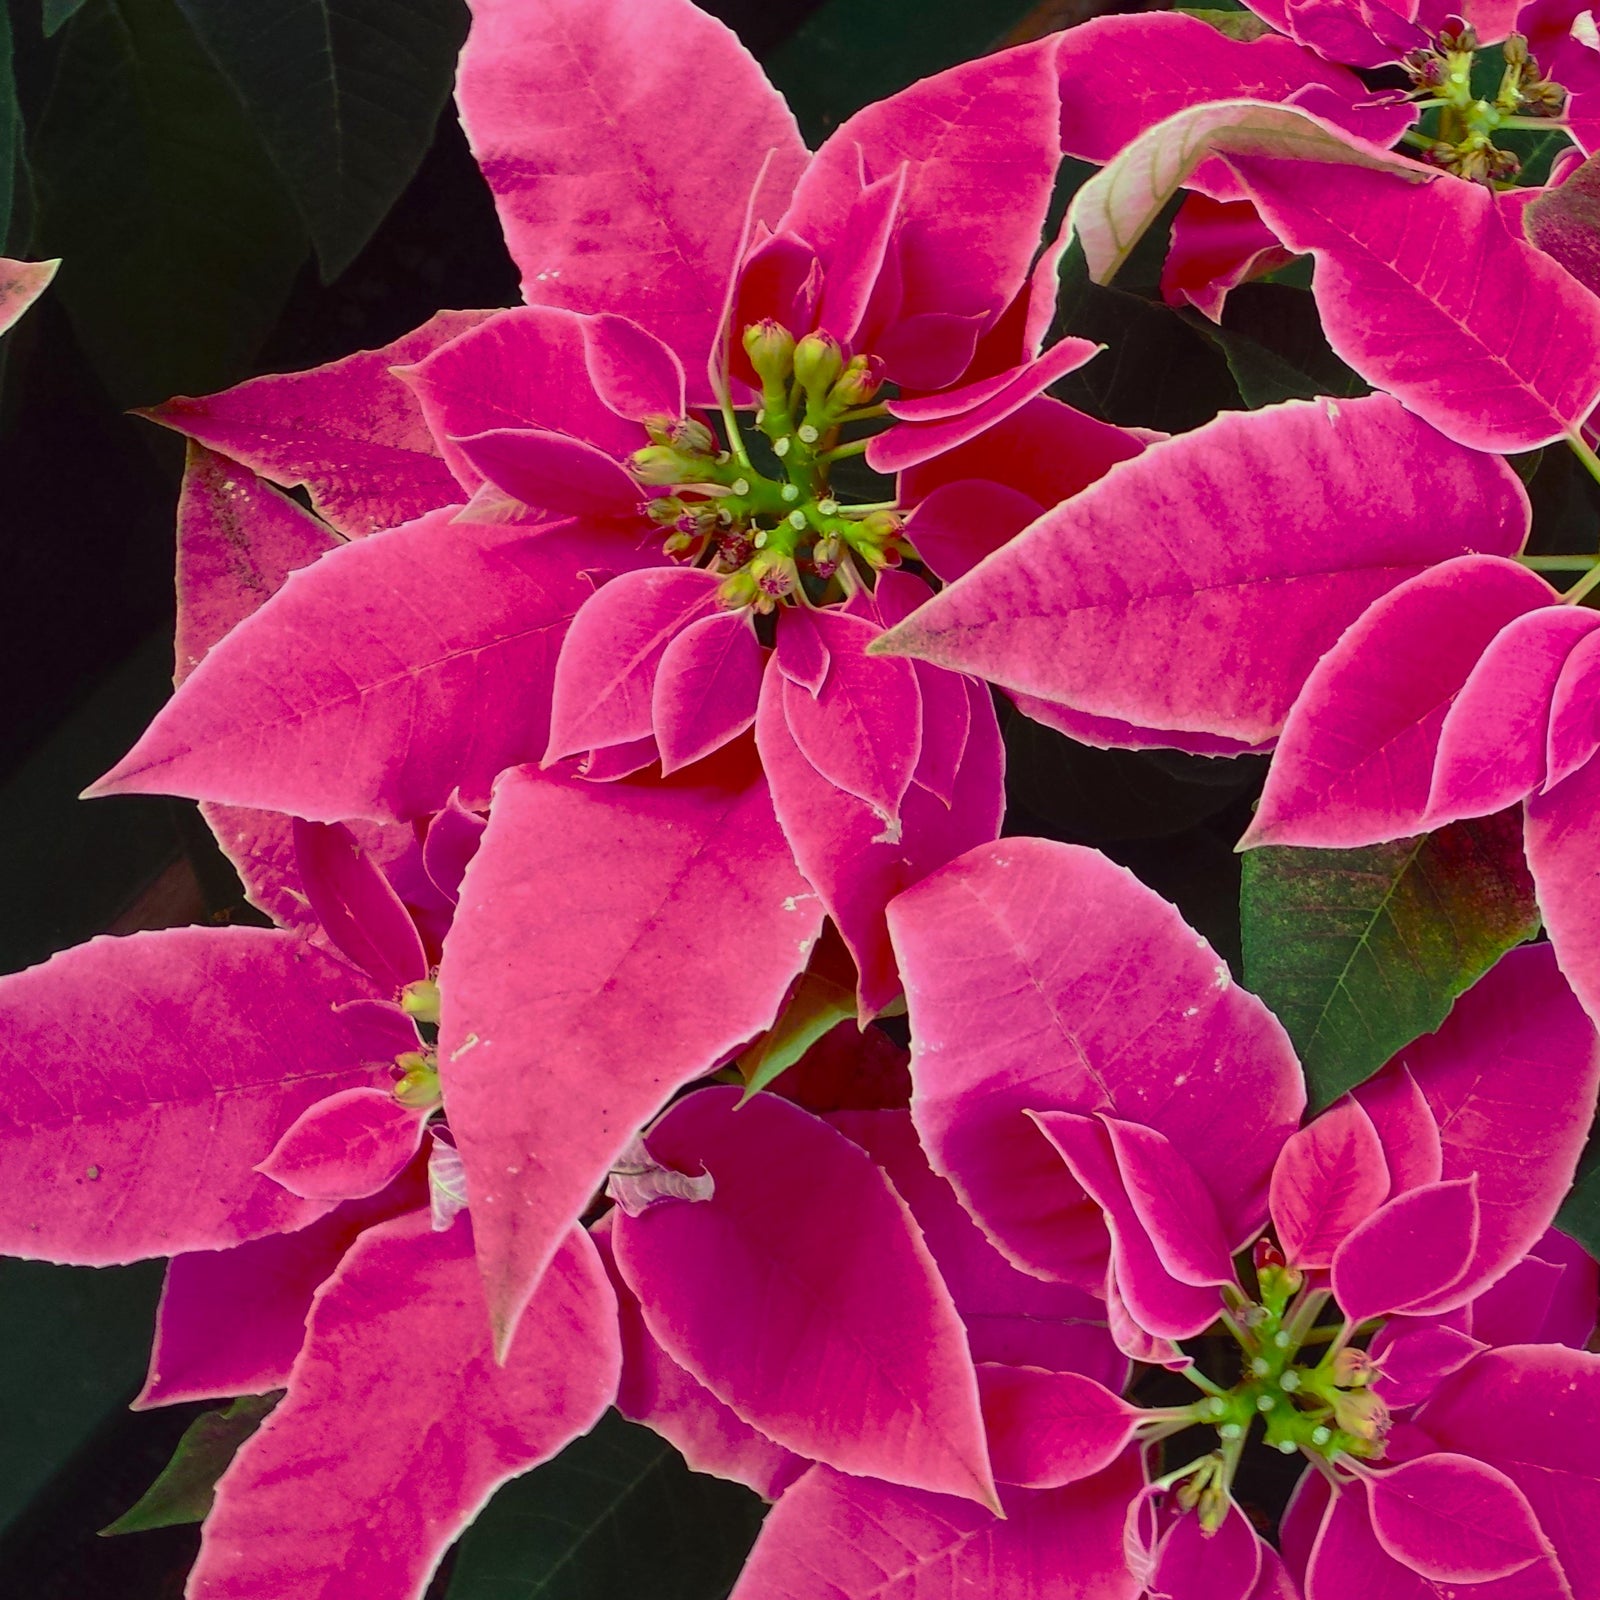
57,13
1156,371
1275,348
1579,1215
850,52
616,1514
344,94
179,237
1361,951
187,1485
76,1340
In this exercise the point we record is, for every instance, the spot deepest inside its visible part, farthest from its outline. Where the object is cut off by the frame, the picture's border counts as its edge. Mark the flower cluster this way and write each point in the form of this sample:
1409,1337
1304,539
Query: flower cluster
612,747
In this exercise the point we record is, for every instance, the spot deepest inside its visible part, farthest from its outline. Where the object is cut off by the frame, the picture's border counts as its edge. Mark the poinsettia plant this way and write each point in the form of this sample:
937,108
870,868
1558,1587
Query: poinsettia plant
606,699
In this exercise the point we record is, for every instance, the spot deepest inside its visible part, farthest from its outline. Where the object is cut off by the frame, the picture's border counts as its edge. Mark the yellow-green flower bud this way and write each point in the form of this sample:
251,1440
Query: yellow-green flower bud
770,347
818,361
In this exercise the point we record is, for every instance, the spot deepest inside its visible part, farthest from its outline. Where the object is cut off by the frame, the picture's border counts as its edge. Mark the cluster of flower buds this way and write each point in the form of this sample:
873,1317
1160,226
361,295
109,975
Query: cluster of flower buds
769,534
1465,143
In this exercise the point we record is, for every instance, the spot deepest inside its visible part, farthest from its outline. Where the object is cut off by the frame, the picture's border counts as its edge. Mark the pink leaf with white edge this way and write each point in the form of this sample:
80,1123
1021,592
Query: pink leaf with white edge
1195,1565
238,540
1412,282
527,368
551,472
544,1082
1574,733
1492,745
913,440
452,841
1010,1316
946,727
706,688
1347,1559
830,1330
1329,1178
802,652
605,676
399,1423
1511,1077
1050,1428
610,172
1412,1255
856,862
1042,977
980,130
1551,1297
1414,1359
1196,586
357,906
21,283
1108,733
865,240
863,730
448,635
346,1147
671,1402
231,1322
1531,1411
1356,760
1454,1520
1123,75
1412,1149
351,432
146,1077
1171,1203
1112,211
1160,1303
632,371
836,1538
1045,451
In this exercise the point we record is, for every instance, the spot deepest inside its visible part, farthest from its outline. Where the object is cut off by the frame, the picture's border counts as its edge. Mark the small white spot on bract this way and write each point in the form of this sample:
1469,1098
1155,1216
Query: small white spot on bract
1584,30
1191,1011
1181,1079
1223,977
541,277
890,834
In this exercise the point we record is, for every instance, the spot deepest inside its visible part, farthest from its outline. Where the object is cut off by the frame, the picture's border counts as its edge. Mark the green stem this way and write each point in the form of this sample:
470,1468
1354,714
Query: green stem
1202,1382
1582,587
881,505
1558,563
1417,141
1533,124
1582,450
855,447
735,439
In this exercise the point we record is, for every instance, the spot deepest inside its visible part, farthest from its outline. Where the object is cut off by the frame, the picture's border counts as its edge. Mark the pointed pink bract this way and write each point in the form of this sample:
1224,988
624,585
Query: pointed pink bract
605,676
148,1075
1196,586
345,1147
1355,762
448,634
1414,282
829,1328
646,213
1329,1178
399,1424
706,688
1042,977
1412,1254
1051,1428
350,432
544,1080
